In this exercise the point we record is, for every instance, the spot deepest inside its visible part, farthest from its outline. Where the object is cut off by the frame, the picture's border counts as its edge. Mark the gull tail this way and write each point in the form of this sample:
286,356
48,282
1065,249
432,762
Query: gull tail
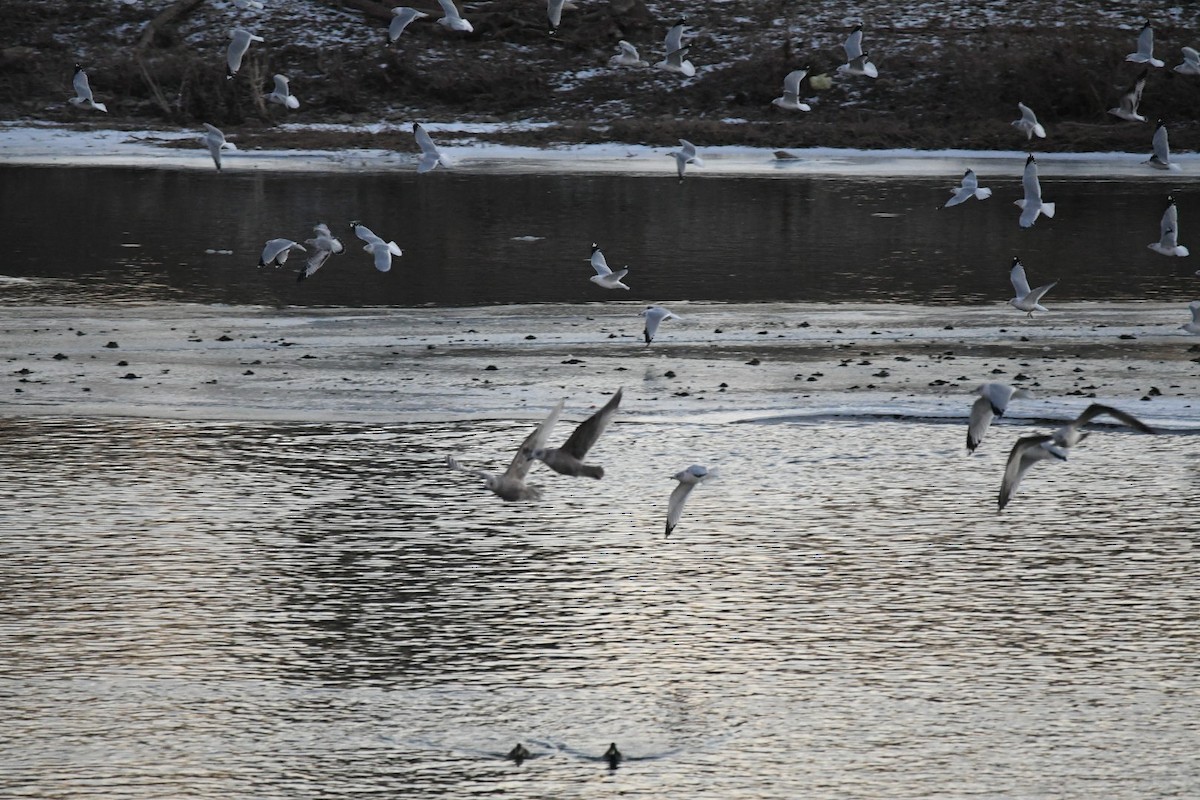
983,194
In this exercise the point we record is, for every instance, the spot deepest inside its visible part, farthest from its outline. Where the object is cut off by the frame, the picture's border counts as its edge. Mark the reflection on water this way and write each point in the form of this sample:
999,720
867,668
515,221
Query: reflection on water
237,610
792,238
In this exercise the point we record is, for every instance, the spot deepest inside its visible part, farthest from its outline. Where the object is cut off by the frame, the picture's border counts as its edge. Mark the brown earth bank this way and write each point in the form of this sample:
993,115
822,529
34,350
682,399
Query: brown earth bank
951,74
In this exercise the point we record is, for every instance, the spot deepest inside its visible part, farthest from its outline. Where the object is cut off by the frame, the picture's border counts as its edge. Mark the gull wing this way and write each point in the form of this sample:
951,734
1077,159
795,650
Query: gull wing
281,86
536,439
1024,454
1035,296
599,263
674,41
1145,43
628,50
403,16
1030,182
981,418
554,13
1019,282
1098,409
584,437
449,10
83,88
791,82
679,496
424,142
1161,147
1194,307
853,44
366,234
314,263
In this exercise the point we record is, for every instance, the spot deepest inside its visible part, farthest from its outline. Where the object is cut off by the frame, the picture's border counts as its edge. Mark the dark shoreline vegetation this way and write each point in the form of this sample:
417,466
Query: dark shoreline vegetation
940,86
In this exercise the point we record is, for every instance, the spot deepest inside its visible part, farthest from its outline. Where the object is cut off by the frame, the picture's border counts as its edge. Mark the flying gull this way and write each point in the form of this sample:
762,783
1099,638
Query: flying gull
993,402
510,485
790,101
1026,300
282,94
1168,233
688,480
568,459
1160,158
856,59
674,60
430,155
1032,205
83,91
451,19
1145,48
686,154
1191,62
241,39
1029,450
1028,123
654,315
1127,107
324,244
214,140
380,250
627,56
401,17
970,188
605,277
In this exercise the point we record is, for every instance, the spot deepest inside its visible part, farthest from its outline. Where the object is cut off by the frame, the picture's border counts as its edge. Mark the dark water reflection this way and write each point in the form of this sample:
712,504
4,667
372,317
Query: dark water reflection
128,234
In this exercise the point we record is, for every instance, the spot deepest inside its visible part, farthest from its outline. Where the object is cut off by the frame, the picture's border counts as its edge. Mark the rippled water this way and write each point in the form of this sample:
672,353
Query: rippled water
249,610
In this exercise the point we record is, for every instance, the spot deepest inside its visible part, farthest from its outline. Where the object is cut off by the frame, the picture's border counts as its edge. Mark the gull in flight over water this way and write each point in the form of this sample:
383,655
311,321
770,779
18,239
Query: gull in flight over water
1160,158
1026,300
510,485
1168,233
1127,107
275,252
401,17
970,188
380,250
1032,205
214,140
993,402
1028,123
654,315
688,479
1191,62
856,59
324,245
686,154
1194,325
241,39
451,19
627,56
1031,449
430,155
674,60
605,277
83,91
790,101
1145,48
282,94
568,459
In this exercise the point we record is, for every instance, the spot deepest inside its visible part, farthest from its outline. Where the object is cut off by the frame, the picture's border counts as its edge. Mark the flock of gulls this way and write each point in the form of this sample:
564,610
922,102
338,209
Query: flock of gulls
568,459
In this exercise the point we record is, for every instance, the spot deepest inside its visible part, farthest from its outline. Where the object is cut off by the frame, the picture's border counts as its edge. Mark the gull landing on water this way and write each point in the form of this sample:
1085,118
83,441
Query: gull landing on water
790,101
241,39
282,95
510,485
1026,300
83,91
605,277
380,250
688,479
568,459
214,140
451,19
1032,205
401,17
627,56
1127,107
1168,233
1160,158
1028,123
993,402
1031,449
1145,48
430,155
654,315
970,188
674,60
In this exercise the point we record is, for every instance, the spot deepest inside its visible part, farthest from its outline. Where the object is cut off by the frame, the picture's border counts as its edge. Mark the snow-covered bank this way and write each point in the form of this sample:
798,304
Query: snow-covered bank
51,145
